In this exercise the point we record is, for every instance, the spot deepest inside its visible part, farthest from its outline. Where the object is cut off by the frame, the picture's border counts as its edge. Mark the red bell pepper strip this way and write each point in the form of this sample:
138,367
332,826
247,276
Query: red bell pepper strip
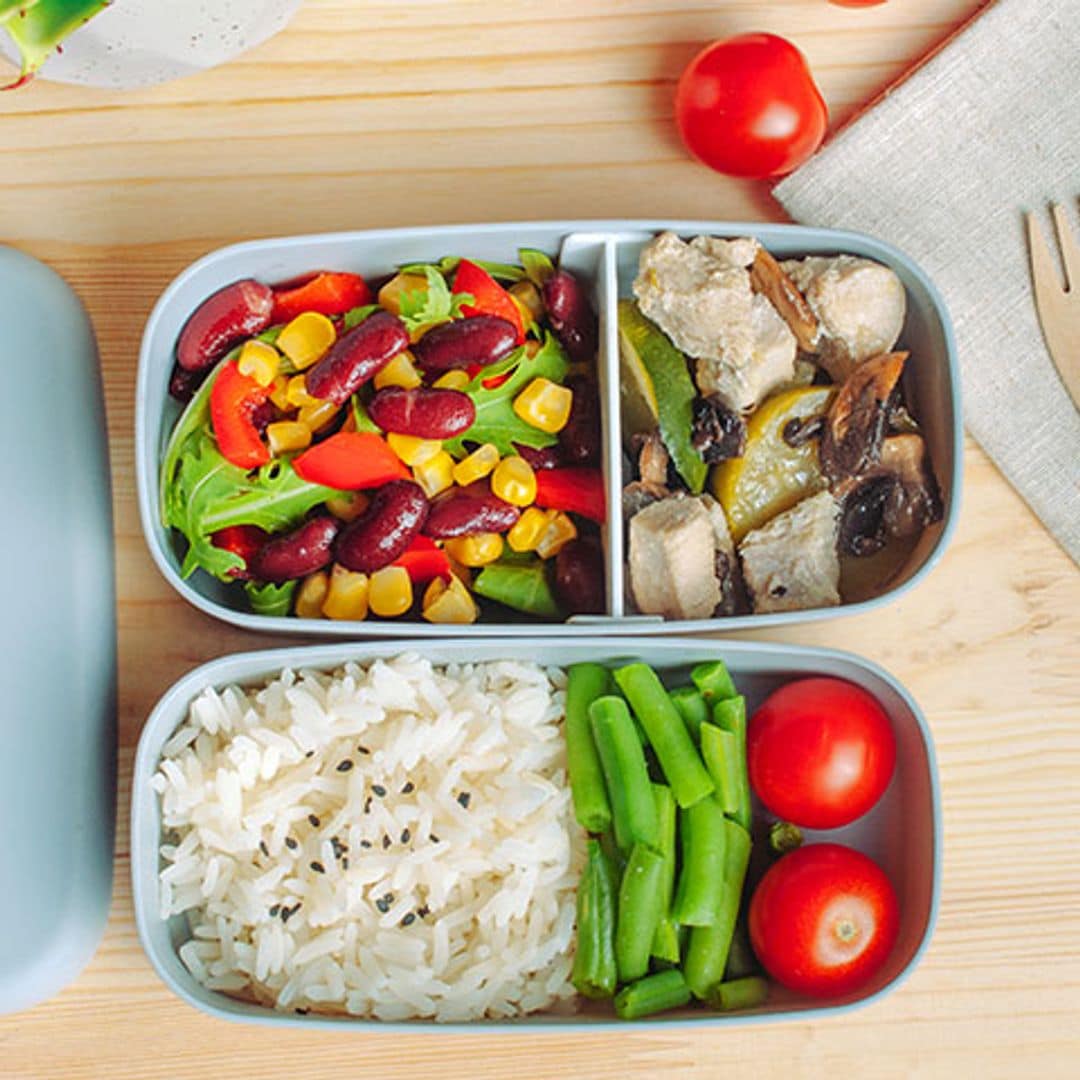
491,298
326,293
350,461
234,399
576,490
242,540
425,560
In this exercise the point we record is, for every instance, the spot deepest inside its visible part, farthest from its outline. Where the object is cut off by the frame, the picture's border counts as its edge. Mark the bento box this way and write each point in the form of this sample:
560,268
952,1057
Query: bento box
603,255
902,832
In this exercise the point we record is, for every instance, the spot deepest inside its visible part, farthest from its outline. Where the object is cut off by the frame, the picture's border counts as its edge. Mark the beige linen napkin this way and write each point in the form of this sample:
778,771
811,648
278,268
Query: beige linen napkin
943,167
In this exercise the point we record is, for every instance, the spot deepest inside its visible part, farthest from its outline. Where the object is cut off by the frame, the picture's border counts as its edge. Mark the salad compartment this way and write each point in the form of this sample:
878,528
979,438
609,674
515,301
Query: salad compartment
603,255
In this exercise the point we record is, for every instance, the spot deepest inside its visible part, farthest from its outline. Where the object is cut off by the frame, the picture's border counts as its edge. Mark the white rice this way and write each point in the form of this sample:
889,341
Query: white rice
450,896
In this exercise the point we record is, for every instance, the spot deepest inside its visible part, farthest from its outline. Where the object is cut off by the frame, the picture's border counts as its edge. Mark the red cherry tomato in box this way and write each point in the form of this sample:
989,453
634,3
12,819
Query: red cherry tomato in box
820,752
824,919
748,106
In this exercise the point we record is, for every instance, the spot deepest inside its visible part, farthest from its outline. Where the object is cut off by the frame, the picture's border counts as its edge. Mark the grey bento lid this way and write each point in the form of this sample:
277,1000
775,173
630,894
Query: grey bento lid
58,662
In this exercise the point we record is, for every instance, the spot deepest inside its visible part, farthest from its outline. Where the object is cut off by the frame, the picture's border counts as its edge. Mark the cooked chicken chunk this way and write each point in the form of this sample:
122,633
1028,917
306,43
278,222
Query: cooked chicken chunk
791,563
860,306
672,559
724,560
699,294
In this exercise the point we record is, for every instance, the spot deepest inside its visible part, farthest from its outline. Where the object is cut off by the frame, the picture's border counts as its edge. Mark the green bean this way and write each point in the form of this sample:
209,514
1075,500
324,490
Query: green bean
707,953
667,733
699,897
594,974
665,943
720,751
741,960
745,993
640,908
714,681
584,684
692,708
730,716
633,808
666,990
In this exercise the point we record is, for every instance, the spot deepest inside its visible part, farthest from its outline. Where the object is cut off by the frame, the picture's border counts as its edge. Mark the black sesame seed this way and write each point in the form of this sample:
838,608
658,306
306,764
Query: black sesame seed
408,919
378,789
386,841
263,848
365,843
345,766
315,823
318,867
345,863
408,788
423,912
384,902
406,836
310,753
367,805
275,910
302,1011
291,844
362,750
433,838
463,799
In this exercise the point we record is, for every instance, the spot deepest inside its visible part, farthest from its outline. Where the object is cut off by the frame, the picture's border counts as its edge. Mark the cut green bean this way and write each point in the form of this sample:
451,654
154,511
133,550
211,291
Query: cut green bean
730,716
692,708
594,973
741,960
714,681
720,751
666,990
639,910
700,895
584,684
675,750
633,807
745,993
665,944
707,953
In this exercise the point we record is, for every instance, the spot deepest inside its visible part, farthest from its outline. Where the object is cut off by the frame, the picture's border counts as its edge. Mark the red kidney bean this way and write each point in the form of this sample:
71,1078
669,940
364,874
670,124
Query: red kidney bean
580,438
469,510
423,412
184,383
357,357
263,415
383,532
236,312
551,457
571,316
579,577
479,340
298,553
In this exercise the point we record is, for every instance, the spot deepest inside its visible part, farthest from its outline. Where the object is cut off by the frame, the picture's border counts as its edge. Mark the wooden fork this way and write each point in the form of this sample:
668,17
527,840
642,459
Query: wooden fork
1059,308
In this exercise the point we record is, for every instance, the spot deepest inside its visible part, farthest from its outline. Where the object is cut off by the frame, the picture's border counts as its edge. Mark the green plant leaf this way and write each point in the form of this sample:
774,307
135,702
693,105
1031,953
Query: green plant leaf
538,266
435,304
449,263
38,28
266,598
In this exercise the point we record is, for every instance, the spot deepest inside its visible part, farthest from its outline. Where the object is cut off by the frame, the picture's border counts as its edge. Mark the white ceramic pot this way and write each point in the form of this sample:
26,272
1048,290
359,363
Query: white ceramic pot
142,42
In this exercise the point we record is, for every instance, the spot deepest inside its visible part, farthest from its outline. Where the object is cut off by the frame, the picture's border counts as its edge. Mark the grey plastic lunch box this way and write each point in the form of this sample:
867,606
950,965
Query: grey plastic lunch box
903,832
604,254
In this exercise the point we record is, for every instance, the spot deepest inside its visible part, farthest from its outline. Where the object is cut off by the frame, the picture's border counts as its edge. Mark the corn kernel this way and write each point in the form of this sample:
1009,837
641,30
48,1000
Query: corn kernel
454,379
452,604
527,530
348,505
296,393
527,297
259,361
317,415
286,435
477,550
347,596
462,573
279,391
514,481
399,372
390,591
311,594
435,474
477,465
307,339
559,532
390,294
545,405
412,449
436,587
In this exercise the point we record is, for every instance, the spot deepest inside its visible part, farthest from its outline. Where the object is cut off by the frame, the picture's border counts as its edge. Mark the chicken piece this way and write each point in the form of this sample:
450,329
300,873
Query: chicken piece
699,294
724,561
860,307
672,560
791,563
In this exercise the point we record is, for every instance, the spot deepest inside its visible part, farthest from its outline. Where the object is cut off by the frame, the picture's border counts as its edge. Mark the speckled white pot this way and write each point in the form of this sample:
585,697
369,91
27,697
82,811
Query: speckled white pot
142,42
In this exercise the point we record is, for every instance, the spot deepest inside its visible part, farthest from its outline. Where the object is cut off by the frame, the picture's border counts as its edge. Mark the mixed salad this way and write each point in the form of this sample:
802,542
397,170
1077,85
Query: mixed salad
775,463
396,450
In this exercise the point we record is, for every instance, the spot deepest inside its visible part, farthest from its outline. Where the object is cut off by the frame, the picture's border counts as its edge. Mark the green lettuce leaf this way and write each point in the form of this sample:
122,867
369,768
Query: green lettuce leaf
355,316
449,263
266,598
496,422
538,266
434,304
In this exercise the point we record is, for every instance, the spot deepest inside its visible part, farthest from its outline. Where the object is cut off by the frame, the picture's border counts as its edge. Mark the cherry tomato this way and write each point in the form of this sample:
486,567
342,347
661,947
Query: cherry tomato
748,106
824,919
820,752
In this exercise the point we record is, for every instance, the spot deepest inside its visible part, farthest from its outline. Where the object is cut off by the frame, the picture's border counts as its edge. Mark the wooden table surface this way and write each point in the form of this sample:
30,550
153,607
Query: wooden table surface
427,112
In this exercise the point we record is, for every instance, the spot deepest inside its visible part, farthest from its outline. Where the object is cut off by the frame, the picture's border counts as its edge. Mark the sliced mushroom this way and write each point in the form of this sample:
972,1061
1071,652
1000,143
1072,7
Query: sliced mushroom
858,418
768,278
653,461
637,495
